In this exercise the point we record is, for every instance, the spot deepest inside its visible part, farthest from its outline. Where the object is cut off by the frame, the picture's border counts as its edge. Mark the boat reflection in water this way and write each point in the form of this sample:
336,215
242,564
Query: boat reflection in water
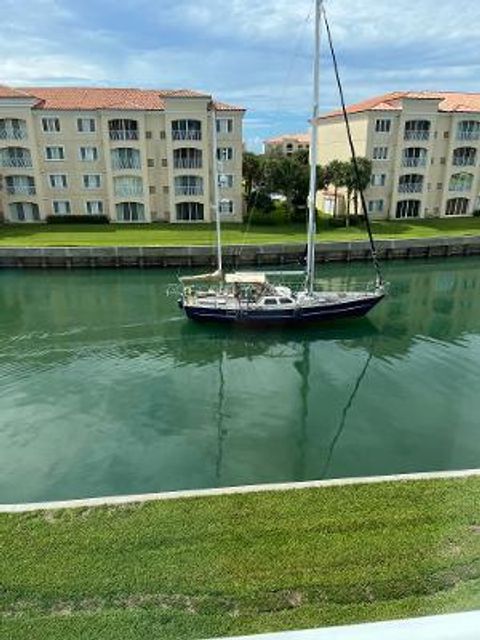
107,390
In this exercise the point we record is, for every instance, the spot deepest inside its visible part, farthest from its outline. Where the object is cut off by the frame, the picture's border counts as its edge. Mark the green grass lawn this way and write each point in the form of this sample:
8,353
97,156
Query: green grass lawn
210,566
204,234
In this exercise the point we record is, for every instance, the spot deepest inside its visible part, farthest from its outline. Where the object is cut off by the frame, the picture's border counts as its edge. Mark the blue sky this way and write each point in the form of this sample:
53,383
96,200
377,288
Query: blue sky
256,53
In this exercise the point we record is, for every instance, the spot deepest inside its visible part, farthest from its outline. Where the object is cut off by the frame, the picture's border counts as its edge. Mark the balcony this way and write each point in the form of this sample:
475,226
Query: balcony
187,163
125,163
186,130
417,135
18,163
468,135
414,162
9,133
186,135
25,190
414,187
126,190
186,190
123,134
463,161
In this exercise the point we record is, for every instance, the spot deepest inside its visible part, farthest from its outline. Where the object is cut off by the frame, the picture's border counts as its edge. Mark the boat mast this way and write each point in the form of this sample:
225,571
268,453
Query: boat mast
312,209
215,205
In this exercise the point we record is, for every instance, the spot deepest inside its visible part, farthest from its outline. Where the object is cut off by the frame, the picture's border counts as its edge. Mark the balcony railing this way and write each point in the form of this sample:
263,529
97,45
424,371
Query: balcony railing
194,134
189,191
122,191
16,162
8,133
123,134
125,163
417,135
468,135
414,162
21,189
460,187
187,164
410,188
463,161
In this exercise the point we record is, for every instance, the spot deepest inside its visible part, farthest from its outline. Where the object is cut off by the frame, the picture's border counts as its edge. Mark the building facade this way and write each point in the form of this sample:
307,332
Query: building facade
288,144
133,155
424,148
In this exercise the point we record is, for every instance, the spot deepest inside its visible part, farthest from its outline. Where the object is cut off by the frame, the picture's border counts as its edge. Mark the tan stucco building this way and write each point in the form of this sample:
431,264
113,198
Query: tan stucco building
287,144
133,155
425,150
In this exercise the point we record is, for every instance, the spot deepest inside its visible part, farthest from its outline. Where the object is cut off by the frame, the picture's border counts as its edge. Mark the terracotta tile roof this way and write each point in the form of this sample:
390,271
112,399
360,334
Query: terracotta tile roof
91,98
294,137
222,106
450,102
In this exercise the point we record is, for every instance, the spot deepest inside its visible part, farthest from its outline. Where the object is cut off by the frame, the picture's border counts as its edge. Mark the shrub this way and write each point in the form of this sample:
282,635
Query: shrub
278,216
77,219
261,201
476,213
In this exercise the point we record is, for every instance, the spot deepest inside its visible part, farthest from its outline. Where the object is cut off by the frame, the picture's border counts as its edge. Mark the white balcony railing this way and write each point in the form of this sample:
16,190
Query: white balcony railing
9,133
123,134
125,163
414,162
21,190
468,135
189,191
187,164
16,162
124,191
417,135
410,188
194,134
464,161
460,188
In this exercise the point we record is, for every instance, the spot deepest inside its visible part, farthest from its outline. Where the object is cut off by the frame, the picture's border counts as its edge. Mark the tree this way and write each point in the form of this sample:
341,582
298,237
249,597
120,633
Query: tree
338,173
252,173
356,184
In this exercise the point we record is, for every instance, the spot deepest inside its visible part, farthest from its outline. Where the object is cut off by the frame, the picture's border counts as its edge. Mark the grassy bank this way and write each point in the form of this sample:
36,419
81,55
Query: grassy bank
175,235
242,564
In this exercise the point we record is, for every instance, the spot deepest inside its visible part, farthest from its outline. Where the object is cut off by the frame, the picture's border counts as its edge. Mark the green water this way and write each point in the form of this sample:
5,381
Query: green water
106,389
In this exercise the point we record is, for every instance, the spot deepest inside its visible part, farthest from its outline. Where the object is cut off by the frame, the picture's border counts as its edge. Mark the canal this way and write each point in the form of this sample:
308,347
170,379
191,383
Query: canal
106,389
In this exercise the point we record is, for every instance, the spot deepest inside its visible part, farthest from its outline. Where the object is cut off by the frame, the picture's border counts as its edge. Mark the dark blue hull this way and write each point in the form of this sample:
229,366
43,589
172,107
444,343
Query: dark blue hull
320,313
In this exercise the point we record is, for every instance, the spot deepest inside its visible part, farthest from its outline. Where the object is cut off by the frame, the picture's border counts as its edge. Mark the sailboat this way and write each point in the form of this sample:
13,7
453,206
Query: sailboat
251,297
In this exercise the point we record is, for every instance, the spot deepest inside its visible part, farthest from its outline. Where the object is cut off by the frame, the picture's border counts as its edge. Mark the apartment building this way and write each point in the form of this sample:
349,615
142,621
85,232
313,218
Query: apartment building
425,150
287,144
133,155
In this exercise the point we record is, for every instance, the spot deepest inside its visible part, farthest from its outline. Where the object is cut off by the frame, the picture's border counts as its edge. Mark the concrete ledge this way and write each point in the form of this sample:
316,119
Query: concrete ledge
201,493
234,255
457,626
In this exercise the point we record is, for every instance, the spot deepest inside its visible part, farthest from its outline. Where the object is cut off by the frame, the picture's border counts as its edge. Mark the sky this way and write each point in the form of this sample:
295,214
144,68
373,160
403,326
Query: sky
254,53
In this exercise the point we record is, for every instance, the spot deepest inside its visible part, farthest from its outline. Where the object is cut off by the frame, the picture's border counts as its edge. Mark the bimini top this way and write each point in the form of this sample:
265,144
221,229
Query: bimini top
245,277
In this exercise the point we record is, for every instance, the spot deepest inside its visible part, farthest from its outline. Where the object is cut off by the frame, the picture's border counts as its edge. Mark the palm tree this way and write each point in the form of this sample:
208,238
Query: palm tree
338,172
356,184
252,173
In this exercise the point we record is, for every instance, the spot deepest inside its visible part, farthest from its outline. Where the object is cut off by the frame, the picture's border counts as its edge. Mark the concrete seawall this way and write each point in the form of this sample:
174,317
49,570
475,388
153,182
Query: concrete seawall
234,255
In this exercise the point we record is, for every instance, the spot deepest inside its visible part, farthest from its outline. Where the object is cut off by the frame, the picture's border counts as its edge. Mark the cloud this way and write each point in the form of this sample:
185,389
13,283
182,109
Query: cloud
254,54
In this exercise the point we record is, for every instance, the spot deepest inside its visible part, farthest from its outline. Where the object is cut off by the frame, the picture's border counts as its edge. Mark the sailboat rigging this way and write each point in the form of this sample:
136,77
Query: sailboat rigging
246,297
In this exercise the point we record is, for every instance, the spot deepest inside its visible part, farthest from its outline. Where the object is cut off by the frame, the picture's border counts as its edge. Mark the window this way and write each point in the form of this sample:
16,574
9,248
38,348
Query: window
224,125
150,162
152,190
380,153
457,207
408,209
51,125
224,153
125,186
94,207
88,154
24,212
379,179
186,130
130,211
188,185
61,207
86,125
55,153
189,211
439,186
286,301
461,182
125,158
58,180
225,207
375,206
24,185
270,301
91,181
383,125
225,180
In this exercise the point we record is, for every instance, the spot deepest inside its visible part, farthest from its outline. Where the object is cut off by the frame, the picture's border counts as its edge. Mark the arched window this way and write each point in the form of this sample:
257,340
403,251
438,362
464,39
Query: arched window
189,211
417,130
468,130
188,186
130,212
414,157
408,209
128,186
125,158
187,158
465,157
457,207
15,157
461,182
13,129
410,183
186,130
123,129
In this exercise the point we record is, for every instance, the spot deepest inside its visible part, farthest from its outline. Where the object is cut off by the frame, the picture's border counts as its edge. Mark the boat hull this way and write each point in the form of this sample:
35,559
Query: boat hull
298,315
